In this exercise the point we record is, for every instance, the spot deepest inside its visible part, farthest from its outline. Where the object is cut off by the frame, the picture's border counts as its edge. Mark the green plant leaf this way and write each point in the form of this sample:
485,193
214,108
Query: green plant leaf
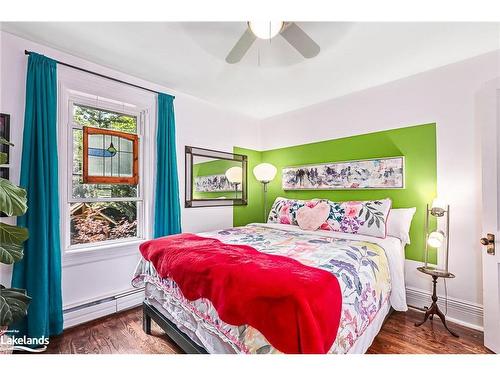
12,199
3,141
14,305
11,243
3,158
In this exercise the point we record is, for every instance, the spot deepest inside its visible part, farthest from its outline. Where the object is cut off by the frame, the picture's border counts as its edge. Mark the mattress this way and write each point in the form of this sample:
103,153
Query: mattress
369,270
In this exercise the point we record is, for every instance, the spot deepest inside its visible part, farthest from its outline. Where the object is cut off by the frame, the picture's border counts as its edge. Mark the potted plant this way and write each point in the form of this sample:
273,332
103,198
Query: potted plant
14,302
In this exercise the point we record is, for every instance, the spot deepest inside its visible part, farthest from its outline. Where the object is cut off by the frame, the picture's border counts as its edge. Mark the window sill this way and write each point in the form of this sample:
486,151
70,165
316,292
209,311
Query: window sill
84,248
81,254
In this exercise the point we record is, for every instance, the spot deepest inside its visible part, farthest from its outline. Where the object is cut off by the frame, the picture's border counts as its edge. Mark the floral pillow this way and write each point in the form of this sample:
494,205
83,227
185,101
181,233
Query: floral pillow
284,211
361,217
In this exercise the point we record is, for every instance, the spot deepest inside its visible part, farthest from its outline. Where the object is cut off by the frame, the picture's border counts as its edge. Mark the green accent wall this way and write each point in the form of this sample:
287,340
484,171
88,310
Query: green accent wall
416,143
254,211
211,168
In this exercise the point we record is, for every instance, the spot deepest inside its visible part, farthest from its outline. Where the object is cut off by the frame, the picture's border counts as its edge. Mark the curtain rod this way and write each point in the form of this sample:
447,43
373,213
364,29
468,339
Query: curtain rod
26,52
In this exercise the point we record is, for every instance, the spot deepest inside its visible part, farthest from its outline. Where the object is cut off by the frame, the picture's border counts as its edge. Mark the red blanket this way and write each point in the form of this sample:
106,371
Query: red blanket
296,307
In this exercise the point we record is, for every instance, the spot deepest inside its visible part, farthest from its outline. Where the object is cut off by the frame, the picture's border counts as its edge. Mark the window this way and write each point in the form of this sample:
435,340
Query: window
104,199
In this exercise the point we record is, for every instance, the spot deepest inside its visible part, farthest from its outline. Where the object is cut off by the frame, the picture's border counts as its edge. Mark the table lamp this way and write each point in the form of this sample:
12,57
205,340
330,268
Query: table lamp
438,239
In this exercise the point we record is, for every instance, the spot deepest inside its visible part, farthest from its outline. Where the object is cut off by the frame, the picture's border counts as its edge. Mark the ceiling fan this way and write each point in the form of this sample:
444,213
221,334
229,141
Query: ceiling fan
292,33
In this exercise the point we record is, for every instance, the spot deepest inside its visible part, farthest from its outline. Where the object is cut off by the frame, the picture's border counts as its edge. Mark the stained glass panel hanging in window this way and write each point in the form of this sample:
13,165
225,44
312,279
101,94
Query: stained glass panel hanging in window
109,156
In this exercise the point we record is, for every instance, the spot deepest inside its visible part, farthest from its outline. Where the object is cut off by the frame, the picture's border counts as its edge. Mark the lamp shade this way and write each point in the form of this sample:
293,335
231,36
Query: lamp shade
435,239
438,207
265,29
235,175
265,172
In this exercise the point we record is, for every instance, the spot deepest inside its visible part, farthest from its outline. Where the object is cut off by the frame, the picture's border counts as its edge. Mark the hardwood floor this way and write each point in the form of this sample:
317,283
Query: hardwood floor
118,333
122,333
400,336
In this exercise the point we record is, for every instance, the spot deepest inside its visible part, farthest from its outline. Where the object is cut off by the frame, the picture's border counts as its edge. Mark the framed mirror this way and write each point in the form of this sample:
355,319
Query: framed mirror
215,178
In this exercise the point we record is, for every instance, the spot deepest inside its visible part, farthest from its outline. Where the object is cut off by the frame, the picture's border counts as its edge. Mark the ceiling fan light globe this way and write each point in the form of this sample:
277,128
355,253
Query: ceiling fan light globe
265,29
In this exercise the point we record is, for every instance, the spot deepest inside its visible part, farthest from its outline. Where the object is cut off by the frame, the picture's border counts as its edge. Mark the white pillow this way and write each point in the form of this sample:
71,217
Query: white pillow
398,223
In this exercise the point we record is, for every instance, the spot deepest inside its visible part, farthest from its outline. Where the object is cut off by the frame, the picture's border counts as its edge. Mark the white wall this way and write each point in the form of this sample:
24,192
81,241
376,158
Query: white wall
445,96
198,124
217,130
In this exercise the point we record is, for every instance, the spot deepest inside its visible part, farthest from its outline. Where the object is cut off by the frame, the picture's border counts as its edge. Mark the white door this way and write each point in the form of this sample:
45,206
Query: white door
488,119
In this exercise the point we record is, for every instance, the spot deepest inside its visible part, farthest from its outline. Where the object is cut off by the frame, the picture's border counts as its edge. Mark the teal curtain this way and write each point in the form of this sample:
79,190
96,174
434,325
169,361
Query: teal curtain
40,270
167,205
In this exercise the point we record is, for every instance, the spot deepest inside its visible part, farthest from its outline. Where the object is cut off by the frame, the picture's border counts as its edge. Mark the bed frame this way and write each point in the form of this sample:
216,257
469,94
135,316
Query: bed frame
180,338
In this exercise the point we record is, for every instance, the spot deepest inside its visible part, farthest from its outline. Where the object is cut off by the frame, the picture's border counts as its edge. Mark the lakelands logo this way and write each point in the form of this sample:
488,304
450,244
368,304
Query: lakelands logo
23,343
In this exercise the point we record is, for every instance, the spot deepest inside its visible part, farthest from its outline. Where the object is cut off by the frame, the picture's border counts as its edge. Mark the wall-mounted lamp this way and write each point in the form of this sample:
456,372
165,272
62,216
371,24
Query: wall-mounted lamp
438,239
265,173
235,176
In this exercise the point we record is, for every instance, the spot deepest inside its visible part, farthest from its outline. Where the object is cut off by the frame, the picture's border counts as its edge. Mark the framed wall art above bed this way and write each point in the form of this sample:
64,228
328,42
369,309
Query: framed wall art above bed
379,173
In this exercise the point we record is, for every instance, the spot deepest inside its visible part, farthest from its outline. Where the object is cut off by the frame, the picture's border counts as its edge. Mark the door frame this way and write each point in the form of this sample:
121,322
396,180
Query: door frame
487,119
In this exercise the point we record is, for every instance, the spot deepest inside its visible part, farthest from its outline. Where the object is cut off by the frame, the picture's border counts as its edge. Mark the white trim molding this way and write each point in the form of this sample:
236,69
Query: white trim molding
92,310
461,312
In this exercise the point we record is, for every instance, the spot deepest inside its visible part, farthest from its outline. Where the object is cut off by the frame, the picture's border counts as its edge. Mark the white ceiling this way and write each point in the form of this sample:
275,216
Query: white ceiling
189,57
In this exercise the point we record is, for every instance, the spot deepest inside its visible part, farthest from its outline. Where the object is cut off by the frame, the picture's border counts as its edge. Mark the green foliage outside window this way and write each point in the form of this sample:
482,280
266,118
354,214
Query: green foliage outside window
100,221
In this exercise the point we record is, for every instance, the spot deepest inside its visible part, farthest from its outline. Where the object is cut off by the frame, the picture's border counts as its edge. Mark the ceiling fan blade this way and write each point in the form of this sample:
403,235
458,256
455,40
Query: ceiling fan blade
241,47
299,40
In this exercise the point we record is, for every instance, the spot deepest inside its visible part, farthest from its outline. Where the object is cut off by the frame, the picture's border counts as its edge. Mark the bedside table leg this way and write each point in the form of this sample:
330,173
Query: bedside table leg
428,313
443,319
434,310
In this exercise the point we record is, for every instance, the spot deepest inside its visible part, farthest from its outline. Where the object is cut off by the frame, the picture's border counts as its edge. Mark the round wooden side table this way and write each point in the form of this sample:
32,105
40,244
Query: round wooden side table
434,308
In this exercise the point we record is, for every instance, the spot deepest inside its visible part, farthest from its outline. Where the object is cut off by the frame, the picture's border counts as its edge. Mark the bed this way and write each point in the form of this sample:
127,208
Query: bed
370,272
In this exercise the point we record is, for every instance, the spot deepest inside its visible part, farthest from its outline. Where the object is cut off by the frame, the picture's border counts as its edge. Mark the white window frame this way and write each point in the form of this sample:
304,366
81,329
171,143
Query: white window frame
77,88
76,99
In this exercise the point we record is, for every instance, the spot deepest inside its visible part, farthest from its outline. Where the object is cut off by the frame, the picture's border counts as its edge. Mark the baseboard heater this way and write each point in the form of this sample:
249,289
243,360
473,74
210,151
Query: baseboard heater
96,309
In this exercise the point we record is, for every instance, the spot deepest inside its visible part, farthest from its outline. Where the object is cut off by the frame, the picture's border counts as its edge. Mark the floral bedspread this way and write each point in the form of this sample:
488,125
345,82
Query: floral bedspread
361,268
